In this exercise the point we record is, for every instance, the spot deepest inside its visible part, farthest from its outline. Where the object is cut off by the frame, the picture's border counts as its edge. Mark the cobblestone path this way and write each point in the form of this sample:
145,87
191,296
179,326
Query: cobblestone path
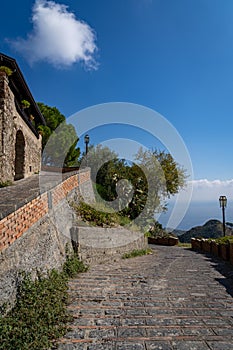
174,299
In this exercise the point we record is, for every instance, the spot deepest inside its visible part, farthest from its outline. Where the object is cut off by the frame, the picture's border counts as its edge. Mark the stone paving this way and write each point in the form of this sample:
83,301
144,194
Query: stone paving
174,299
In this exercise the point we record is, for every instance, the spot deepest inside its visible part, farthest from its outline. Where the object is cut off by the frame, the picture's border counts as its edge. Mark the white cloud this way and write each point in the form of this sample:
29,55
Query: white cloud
57,37
206,190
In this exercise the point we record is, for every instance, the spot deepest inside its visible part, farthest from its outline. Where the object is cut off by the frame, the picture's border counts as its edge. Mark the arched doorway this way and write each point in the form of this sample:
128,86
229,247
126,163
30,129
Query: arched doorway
19,155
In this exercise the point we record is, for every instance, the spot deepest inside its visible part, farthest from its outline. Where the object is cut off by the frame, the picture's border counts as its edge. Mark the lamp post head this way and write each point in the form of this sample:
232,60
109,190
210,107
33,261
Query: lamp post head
86,139
223,201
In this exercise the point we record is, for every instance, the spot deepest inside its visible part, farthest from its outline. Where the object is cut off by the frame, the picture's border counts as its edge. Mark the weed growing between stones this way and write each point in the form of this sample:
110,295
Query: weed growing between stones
39,316
136,252
5,184
185,245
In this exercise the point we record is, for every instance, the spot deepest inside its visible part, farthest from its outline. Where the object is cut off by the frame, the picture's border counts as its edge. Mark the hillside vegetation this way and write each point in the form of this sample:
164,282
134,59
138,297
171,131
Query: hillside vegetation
211,229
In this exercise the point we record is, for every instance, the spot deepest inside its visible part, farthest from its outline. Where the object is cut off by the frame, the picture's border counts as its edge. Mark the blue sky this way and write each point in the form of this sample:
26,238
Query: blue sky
175,57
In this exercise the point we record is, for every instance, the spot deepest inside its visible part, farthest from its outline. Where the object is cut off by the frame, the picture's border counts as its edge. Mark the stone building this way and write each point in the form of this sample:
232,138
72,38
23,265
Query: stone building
20,141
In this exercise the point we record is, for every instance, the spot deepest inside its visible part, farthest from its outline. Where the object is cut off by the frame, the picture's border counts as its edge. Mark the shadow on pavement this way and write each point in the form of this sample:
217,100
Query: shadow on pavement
224,267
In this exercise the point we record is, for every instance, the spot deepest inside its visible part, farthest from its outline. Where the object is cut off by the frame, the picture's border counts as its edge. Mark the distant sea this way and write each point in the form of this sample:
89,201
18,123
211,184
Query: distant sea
199,213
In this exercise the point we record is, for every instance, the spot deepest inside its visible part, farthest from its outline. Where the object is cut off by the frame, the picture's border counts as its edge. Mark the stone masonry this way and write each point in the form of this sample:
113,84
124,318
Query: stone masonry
20,148
35,228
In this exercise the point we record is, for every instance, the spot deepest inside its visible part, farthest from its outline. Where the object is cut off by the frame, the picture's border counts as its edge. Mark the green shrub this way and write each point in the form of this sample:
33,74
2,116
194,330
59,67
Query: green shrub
100,215
40,315
156,230
162,234
147,234
73,265
224,240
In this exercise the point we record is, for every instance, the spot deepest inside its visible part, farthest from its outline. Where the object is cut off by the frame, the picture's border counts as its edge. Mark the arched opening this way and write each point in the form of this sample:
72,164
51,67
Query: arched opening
19,155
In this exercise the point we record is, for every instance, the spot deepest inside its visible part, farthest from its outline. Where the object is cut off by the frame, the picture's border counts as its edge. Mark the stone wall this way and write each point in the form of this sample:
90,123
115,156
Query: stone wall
11,126
101,245
41,248
34,237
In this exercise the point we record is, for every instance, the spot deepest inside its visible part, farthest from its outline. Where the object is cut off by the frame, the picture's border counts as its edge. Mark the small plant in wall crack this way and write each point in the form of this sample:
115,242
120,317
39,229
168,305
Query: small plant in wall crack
6,70
25,104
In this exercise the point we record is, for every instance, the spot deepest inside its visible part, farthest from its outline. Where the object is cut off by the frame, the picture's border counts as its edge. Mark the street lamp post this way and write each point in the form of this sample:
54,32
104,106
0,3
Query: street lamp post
86,140
223,204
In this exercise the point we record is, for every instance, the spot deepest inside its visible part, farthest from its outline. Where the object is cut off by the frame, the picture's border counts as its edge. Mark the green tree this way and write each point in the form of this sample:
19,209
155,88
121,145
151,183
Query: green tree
174,174
59,139
165,177
97,157
154,176
53,119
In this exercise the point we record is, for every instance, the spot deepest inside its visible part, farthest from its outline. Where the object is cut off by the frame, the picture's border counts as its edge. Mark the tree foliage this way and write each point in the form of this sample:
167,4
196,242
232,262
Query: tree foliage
97,156
148,181
59,139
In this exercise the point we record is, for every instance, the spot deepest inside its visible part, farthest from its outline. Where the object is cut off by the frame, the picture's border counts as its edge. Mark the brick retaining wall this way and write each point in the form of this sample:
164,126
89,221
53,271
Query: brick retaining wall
15,224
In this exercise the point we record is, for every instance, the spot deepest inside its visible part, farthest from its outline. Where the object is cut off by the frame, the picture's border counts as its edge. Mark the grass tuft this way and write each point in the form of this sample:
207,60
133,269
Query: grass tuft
184,245
136,252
